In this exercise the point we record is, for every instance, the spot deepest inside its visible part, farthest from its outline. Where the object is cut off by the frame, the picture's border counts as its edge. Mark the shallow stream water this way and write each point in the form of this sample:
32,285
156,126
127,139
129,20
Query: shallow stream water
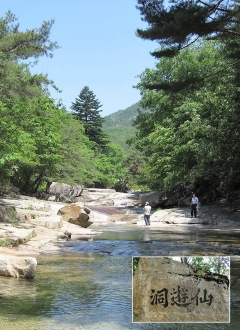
89,285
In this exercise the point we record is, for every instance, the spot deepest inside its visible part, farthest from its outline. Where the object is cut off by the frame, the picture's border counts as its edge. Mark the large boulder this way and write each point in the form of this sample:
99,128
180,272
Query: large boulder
76,215
63,192
17,266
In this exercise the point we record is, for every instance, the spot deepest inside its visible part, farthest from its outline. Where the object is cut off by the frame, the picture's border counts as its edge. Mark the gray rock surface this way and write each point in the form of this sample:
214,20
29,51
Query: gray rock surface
165,290
62,189
40,228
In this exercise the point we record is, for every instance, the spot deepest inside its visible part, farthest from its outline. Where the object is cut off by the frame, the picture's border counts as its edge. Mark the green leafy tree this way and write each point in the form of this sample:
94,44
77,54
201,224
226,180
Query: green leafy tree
15,142
191,135
30,122
77,163
134,163
110,166
37,155
86,108
192,94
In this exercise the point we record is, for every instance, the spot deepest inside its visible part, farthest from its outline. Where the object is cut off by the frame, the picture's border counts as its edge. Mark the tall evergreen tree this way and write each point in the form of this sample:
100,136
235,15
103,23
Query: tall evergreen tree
86,108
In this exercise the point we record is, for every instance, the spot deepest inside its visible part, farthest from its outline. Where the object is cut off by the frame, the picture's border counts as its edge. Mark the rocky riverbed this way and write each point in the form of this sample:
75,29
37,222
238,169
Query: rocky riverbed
40,229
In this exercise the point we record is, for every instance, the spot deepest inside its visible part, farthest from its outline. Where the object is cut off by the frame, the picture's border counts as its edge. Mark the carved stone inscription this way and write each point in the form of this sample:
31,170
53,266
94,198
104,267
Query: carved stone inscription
179,297
168,291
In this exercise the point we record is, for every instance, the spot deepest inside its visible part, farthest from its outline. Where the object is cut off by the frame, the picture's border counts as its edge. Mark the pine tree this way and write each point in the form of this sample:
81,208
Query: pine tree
178,23
16,48
86,108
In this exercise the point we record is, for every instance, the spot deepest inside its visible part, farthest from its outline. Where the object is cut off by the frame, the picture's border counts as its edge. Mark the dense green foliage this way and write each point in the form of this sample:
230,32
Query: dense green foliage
120,135
77,156
110,166
191,133
38,146
40,141
135,261
29,127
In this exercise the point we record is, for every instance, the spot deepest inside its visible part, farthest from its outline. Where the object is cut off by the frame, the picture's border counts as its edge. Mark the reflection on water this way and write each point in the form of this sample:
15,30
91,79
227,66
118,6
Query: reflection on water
135,233
130,240
85,291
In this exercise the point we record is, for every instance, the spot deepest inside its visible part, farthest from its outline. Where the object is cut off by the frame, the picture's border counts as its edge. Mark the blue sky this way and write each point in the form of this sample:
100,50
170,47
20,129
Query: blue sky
99,48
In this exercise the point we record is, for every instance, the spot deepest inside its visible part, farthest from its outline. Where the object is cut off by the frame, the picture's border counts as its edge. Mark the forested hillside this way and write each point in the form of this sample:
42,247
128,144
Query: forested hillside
120,134
119,125
122,117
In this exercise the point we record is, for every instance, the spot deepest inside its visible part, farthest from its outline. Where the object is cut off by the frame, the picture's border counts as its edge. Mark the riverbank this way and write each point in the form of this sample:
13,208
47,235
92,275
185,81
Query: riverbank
40,229
89,286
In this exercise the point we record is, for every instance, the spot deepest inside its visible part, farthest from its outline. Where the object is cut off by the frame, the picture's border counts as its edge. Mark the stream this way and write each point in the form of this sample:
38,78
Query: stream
89,284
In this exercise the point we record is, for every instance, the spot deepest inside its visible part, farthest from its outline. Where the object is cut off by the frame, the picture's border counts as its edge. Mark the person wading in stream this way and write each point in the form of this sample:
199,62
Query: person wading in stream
194,204
147,212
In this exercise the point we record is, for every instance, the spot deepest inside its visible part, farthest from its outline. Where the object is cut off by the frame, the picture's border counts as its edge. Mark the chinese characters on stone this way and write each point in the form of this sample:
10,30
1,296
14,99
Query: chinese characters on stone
179,297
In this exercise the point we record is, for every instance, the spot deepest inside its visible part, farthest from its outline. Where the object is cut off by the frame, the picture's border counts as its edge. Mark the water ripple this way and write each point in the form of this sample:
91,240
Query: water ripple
84,291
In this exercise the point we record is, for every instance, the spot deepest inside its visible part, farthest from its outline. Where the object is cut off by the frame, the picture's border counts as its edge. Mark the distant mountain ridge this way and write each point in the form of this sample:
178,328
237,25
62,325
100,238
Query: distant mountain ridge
122,117
118,125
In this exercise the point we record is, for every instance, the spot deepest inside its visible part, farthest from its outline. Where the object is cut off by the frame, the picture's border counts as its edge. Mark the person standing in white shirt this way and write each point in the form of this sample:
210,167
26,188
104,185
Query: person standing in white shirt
194,204
147,212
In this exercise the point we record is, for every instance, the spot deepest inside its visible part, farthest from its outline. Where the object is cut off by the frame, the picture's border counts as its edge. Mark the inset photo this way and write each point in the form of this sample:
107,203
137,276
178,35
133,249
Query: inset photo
181,289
